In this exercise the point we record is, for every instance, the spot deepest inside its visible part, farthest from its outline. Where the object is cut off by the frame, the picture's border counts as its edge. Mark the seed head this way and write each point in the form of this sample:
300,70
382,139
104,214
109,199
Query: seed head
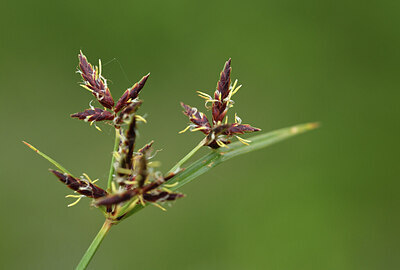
219,133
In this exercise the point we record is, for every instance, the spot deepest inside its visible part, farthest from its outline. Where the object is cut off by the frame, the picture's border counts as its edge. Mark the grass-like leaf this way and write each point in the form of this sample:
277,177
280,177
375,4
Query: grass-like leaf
216,157
49,159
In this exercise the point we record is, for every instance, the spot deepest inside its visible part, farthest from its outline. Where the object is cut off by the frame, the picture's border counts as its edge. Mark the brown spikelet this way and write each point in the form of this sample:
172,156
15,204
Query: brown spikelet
131,94
116,198
219,108
95,114
162,196
240,129
198,118
128,145
80,186
94,82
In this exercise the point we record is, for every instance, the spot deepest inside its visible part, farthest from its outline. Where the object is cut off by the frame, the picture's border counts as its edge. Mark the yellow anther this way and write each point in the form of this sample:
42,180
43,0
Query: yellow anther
130,182
226,120
132,205
100,68
234,84
79,197
140,118
87,88
234,90
199,128
96,73
113,187
167,190
204,95
244,141
221,144
184,130
73,196
99,129
171,185
90,180
159,206
124,171
87,177
116,155
237,89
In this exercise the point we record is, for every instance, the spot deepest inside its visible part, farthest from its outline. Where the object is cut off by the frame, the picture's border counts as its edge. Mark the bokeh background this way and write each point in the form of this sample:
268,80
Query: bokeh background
327,199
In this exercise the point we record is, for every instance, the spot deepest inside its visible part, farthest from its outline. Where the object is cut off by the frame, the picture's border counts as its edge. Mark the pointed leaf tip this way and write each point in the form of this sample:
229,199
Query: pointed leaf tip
30,146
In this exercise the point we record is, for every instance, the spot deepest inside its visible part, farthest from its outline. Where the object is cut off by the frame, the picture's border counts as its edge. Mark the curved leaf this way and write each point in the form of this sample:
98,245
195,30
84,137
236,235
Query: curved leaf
218,156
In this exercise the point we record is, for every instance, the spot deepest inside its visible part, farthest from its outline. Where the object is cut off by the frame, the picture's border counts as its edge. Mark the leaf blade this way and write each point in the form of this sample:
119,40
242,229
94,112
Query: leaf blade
49,159
218,156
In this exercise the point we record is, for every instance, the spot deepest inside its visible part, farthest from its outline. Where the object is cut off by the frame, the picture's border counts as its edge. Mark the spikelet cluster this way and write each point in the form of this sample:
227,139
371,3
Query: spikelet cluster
219,132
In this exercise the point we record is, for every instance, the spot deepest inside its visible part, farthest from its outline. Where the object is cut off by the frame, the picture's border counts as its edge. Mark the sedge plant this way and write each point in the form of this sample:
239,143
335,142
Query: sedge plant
134,181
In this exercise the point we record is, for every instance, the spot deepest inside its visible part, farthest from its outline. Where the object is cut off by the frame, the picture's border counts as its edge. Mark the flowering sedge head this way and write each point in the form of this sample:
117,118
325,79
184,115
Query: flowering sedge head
220,131
135,177
97,84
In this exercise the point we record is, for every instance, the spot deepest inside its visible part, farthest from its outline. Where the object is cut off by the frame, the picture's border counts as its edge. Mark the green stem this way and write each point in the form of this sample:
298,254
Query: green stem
94,245
112,168
185,158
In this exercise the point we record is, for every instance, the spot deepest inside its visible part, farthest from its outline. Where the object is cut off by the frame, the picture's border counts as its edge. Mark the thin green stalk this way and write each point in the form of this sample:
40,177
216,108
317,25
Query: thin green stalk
185,158
94,245
49,159
112,168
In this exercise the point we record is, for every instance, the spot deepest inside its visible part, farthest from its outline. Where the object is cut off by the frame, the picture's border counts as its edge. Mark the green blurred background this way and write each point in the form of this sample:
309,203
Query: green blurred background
327,199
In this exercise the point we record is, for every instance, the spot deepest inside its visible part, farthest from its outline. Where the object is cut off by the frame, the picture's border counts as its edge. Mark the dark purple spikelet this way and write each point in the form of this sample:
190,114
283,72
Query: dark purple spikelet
116,198
126,149
162,196
198,118
220,107
131,94
94,82
91,115
240,129
129,142
80,186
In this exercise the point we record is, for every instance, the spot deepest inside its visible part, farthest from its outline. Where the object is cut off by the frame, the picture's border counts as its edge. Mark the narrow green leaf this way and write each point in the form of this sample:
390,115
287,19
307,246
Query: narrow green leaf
215,157
49,159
